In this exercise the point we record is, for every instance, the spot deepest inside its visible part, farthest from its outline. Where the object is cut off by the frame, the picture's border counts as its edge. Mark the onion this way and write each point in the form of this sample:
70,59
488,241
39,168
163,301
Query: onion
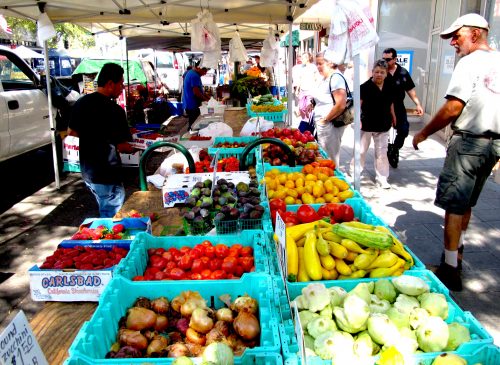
215,336
132,338
195,349
224,314
142,302
182,325
200,321
245,303
177,350
160,305
223,327
246,325
157,346
139,318
195,337
161,323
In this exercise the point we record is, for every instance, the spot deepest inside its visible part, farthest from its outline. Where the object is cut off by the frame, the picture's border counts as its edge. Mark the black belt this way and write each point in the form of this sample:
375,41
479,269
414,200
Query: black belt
482,136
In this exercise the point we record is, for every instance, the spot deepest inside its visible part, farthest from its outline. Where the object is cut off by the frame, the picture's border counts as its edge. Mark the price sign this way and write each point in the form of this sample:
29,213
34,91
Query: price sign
280,231
18,345
300,334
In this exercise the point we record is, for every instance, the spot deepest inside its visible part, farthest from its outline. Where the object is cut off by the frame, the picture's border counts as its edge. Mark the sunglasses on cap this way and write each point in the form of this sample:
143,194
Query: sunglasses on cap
388,59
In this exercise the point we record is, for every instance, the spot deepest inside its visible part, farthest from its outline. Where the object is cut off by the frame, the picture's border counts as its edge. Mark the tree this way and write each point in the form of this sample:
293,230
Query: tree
74,35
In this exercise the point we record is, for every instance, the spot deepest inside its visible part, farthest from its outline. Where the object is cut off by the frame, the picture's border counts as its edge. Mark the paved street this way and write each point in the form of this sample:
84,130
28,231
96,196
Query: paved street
32,228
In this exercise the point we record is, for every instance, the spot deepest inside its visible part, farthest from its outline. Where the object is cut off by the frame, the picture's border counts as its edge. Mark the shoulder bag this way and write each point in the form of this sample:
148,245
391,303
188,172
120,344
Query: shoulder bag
347,116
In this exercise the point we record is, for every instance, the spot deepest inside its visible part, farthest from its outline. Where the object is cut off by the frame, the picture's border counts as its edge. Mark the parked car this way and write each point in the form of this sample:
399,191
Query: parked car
24,111
142,84
170,67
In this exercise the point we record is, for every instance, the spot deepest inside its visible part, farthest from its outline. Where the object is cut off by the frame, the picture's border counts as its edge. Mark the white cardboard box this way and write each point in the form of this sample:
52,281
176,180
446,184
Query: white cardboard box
138,141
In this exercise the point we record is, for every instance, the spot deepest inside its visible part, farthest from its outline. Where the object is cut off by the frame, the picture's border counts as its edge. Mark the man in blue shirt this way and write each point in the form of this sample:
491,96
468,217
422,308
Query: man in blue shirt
193,95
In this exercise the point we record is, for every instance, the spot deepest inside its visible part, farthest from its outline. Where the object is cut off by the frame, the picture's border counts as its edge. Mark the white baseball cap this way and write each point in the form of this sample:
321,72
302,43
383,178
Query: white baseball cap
467,20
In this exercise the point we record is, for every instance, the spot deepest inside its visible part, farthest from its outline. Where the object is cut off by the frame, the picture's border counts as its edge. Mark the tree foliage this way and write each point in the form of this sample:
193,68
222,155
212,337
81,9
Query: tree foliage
75,35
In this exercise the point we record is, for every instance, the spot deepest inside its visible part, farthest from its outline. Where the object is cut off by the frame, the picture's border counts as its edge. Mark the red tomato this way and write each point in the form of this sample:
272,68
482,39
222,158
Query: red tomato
246,263
158,262
215,264
198,266
210,251
173,250
238,270
205,274
246,251
307,214
337,211
194,254
138,278
185,249
221,250
160,250
205,260
170,265
200,249
151,271
151,251
186,262
291,219
323,211
348,213
229,264
196,276
218,275
160,275
168,256
206,243
236,246
277,204
234,252
177,274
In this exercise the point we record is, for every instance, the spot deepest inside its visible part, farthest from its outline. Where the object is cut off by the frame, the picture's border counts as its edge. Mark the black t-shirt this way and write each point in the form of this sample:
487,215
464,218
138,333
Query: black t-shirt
402,83
376,106
101,124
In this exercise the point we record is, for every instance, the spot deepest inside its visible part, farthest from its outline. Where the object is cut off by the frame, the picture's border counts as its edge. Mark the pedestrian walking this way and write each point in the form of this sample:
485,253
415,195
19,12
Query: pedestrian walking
403,85
472,108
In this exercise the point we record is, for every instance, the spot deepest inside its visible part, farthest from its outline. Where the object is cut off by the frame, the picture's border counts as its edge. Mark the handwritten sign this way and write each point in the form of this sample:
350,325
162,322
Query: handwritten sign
300,334
18,345
280,231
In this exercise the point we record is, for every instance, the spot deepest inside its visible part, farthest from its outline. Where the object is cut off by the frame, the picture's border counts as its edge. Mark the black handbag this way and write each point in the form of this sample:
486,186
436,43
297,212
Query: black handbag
347,116
392,150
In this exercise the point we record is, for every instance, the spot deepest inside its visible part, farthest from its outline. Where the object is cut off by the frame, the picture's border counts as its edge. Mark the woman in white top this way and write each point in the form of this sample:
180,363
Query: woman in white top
307,79
331,85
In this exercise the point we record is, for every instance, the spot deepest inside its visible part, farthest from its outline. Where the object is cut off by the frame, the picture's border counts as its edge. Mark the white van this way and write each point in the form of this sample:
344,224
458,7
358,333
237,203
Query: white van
24,111
170,66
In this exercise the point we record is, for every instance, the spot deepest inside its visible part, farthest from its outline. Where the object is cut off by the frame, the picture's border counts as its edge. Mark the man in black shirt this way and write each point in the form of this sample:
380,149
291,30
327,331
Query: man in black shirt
102,128
403,83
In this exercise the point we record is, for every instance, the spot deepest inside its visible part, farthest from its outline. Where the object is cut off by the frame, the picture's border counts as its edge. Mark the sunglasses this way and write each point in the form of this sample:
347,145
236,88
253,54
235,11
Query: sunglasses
388,59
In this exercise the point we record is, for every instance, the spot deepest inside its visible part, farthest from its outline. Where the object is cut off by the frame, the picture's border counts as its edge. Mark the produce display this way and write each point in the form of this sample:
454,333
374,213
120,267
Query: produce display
291,136
315,187
266,104
391,318
206,164
319,250
187,326
202,262
230,144
117,232
84,258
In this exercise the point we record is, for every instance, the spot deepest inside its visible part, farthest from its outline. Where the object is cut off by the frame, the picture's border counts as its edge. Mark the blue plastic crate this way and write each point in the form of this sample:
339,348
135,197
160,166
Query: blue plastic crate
262,168
136,261
479,336
264,358
273,117
96,336
473,354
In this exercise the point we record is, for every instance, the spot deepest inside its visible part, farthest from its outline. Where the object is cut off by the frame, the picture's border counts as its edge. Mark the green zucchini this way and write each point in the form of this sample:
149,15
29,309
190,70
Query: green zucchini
365,237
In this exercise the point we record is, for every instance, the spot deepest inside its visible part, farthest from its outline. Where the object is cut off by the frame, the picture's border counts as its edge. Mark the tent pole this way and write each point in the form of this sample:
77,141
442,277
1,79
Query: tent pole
289,89
51,116
357,123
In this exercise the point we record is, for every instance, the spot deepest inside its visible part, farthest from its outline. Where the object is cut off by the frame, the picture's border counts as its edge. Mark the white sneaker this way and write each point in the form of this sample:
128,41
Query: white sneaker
384,184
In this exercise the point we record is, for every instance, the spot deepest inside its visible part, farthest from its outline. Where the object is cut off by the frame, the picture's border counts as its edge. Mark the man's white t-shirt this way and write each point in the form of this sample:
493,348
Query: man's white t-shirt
323,97
476,81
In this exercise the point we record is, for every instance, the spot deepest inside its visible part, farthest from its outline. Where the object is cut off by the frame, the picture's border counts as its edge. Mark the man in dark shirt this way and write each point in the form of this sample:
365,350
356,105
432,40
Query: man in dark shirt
403,84
192,95
102,128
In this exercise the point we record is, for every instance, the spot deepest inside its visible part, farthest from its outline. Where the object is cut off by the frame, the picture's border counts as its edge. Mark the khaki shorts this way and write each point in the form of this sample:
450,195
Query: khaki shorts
467,166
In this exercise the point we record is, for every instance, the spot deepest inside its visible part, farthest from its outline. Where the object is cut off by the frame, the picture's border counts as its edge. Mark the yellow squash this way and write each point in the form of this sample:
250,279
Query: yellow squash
302,275
292,258
311,257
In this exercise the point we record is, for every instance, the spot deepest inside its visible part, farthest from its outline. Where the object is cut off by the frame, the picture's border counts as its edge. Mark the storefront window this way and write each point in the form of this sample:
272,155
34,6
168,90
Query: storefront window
494,20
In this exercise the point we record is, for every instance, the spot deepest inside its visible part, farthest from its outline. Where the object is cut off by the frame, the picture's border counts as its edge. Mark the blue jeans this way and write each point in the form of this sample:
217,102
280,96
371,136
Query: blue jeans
110,198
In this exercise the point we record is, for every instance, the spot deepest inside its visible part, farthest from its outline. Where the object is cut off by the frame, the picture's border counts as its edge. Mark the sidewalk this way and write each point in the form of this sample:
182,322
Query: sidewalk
409,209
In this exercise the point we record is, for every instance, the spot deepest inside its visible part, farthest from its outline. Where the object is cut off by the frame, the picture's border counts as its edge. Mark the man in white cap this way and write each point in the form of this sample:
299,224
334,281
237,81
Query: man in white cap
472,108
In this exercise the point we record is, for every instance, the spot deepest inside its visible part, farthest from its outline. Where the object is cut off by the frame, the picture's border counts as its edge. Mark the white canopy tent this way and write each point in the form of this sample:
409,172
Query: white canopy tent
26,53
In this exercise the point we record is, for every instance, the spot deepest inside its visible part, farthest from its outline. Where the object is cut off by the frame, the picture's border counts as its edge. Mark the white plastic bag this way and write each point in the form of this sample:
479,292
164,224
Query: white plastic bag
172,164
72,97
361,29
205,35
237,51
217,129
211,59
251,128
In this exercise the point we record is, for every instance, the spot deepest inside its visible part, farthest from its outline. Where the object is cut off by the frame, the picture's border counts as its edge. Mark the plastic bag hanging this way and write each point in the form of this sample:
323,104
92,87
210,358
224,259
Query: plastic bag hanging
237,51
205,35
269,53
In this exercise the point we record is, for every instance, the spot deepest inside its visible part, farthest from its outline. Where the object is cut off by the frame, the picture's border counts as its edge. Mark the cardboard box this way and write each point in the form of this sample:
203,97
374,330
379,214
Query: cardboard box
131,159
71,285
142,140
178,186
71,154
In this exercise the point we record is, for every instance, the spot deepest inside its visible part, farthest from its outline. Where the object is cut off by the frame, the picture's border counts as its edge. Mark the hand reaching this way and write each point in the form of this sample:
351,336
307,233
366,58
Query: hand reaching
417,138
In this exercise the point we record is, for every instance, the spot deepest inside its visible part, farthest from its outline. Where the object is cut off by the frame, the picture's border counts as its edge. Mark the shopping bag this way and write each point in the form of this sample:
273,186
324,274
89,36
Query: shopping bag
392,150
308,125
